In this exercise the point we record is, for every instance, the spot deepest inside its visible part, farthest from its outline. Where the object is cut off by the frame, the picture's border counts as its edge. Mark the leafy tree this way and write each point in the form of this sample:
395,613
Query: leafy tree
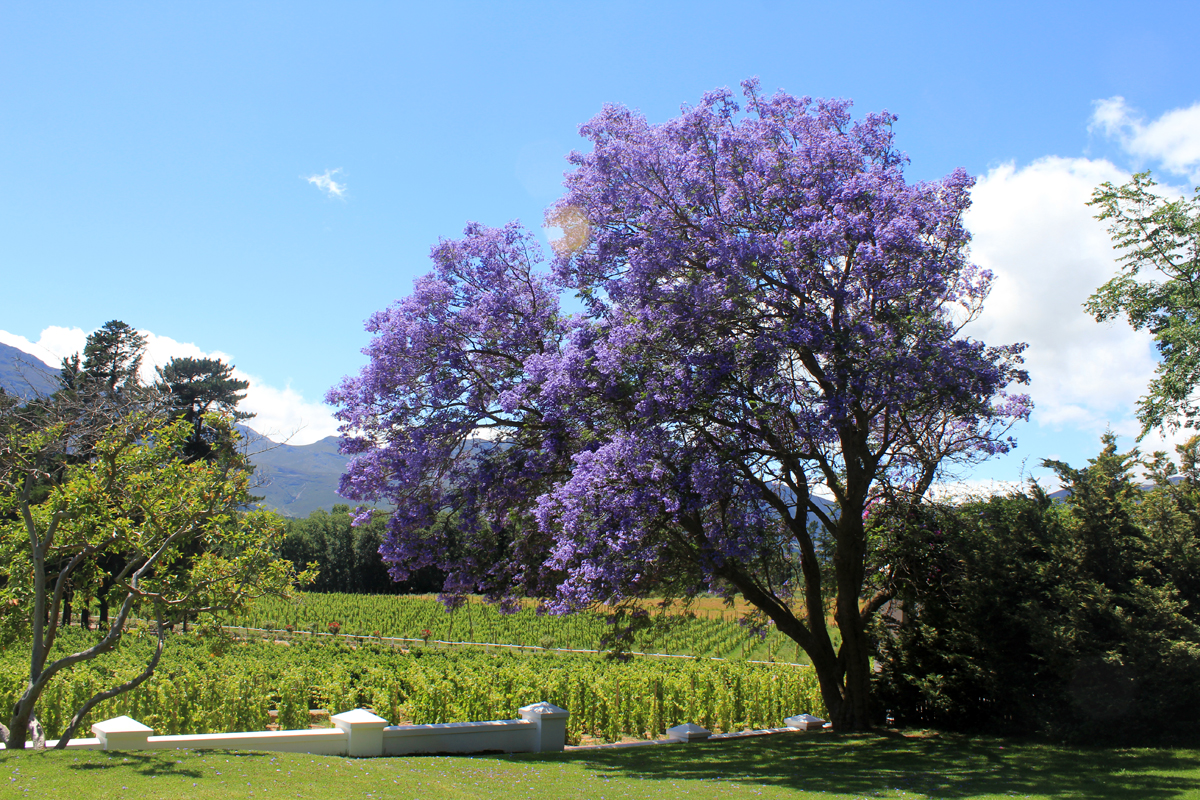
771,311
98,387
125,518
1023,614
197,386
1156,289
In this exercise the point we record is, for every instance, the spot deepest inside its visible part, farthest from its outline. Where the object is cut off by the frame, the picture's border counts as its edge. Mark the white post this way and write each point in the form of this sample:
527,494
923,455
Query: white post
805,722
688,732
122,733
551,723
364,732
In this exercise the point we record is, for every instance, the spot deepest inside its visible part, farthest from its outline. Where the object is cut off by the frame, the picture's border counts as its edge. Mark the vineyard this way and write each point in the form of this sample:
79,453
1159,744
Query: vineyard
424,618
210,685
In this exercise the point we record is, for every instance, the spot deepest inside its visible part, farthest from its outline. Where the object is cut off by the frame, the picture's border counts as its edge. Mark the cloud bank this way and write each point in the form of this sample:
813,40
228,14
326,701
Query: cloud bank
1032,227
281,414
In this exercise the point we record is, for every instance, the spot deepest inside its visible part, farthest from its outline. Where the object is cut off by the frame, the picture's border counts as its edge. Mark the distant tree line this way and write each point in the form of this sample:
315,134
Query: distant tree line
347,556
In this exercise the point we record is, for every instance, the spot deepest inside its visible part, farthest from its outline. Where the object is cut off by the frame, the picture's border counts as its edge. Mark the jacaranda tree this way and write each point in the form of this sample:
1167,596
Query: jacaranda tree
772,315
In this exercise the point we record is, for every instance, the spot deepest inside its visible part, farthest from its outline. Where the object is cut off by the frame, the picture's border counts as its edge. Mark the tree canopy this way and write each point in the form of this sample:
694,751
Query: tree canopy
1157,289
346,556
771,313
101,497
111,359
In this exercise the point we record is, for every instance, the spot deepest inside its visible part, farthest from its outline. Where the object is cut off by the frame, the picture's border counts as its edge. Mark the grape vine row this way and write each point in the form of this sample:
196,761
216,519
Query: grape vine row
209,685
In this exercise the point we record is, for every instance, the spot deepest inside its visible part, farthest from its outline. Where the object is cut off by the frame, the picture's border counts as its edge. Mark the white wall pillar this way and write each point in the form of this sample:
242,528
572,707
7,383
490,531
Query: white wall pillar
122,733
805,722
688,732
364,732
551,726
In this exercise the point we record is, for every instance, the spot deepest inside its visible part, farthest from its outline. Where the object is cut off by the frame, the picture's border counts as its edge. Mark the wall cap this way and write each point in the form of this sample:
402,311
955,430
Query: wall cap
121,724
449,728
689,732
805,722
544,710
358,716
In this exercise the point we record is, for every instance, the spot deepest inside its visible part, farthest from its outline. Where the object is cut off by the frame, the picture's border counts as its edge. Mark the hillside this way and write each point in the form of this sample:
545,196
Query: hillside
24,375
296,480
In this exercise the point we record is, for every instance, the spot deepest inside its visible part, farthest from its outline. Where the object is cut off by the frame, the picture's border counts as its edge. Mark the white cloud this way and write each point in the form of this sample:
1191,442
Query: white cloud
328,185
1033,229
161,349
282,415
52,347
966,490
1172,140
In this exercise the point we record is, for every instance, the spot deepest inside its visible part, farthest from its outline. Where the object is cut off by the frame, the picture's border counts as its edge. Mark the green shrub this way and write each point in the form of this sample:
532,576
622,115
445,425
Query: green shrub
1074,618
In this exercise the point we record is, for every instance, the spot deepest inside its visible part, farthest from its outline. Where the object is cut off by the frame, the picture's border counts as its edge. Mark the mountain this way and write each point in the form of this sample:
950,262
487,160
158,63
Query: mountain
24,375
296,480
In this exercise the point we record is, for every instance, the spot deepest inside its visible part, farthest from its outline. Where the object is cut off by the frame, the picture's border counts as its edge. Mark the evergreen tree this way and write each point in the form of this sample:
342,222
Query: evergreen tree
113,356
196,386
1025,614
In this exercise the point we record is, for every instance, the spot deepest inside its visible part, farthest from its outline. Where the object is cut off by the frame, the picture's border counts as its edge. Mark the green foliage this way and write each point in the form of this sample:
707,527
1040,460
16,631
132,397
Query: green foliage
111,357
136,524
1022,613
1156,289
198,691
409,617
139,499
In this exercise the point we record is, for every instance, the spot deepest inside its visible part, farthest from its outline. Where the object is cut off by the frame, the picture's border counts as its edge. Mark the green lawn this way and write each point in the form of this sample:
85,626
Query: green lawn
782,766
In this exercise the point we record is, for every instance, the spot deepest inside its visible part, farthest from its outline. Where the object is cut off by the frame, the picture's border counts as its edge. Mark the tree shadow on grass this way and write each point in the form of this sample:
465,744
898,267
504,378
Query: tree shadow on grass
161,763
934,766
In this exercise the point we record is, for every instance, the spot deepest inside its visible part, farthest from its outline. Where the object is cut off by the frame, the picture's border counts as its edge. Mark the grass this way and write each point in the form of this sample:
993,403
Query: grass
784,766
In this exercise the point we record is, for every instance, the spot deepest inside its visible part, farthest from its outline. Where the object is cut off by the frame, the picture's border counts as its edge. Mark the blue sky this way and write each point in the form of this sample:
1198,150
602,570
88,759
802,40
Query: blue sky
158,157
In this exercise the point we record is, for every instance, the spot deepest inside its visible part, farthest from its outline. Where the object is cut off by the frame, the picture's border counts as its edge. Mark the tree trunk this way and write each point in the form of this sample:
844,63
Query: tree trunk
18,726
845,688
102,600
854,713
844,676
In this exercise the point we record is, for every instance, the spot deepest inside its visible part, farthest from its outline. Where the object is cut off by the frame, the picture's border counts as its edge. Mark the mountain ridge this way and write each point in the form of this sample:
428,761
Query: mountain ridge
296,479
